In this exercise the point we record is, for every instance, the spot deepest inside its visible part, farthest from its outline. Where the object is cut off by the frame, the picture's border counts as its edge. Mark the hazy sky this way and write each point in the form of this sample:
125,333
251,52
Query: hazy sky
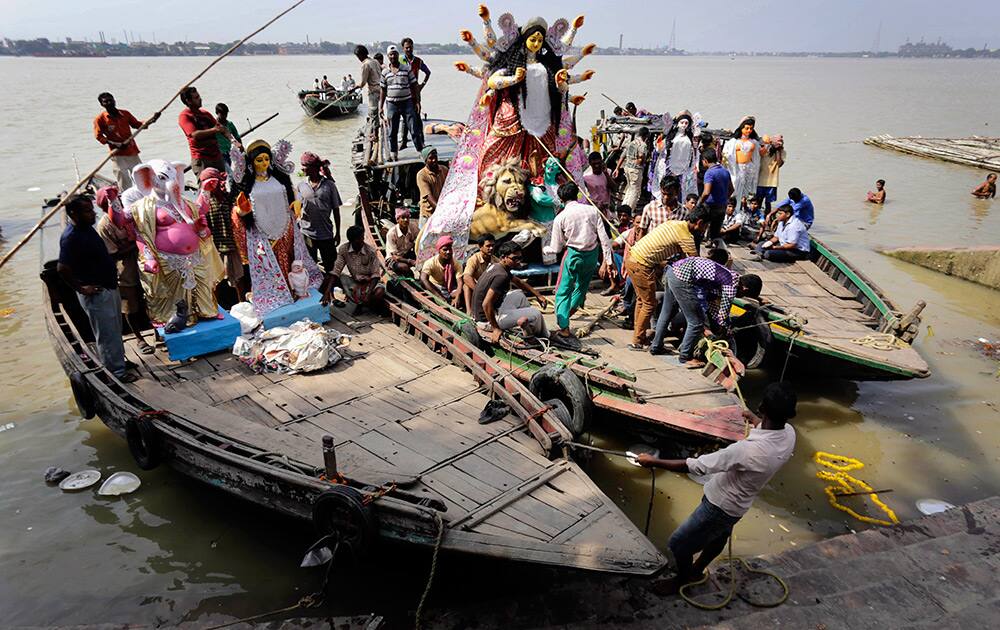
747,25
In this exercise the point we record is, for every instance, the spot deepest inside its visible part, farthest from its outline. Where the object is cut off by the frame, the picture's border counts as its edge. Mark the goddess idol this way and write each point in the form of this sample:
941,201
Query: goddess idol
264,226
520,114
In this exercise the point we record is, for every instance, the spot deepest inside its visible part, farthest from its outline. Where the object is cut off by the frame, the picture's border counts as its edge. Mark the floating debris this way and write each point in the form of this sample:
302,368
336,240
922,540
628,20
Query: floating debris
7,312
119,483
7,427
933,506
54,474
80,480
34,189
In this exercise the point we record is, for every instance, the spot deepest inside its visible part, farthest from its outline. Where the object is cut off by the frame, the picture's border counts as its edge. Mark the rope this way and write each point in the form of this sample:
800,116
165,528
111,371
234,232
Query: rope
430,577
881,341
309,601
80,183
732,586
649,508
721,347
788,355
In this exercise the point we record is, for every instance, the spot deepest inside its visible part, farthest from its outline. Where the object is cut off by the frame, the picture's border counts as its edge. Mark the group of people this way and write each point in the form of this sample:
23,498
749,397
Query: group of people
324,87
251,235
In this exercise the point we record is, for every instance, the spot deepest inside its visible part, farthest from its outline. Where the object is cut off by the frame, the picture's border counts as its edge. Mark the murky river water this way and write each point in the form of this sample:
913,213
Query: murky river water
177,552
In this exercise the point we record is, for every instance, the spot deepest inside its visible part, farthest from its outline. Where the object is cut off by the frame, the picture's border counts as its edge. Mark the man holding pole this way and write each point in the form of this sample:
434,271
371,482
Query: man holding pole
113,127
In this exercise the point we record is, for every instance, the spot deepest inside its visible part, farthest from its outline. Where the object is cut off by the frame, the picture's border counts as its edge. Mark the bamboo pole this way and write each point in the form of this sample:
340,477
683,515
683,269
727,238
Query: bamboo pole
80,183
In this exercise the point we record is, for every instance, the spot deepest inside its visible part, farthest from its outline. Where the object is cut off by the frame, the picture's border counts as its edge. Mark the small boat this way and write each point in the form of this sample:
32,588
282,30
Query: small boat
654,394
329,104
385,444
829,317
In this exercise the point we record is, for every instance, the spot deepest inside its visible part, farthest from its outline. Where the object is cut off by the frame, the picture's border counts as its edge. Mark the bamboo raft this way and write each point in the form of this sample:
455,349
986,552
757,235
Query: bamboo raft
385,444
977,151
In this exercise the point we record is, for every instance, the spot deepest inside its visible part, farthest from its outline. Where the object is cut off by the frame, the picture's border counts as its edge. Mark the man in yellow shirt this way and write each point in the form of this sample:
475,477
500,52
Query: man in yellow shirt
667,242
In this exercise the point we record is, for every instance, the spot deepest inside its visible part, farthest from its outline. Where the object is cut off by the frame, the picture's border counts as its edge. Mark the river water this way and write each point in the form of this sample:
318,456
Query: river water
177,552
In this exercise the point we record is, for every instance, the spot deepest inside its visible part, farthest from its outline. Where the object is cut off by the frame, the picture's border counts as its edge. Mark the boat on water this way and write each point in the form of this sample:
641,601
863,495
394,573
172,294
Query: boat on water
656,395
824,316
329,104
386,444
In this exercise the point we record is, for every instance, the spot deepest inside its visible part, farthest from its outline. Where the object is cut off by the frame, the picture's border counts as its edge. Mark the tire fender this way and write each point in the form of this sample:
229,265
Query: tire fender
555,382
341,510
83,395
143,442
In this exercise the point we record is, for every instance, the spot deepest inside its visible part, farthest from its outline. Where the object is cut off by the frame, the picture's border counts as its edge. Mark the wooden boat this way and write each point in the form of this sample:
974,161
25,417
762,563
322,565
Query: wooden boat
334,104
977,151
830,317
385,444
655,394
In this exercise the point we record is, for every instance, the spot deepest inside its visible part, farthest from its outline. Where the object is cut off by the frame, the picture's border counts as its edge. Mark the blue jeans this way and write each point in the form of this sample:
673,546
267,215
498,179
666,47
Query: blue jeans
682,294
705,531
104,310
394,111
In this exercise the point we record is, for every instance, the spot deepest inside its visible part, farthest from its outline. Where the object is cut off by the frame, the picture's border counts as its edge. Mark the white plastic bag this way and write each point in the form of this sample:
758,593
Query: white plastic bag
246,315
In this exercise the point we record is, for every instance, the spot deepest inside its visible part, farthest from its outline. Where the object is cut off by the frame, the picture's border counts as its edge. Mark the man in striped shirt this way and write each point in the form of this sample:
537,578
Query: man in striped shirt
396,101
704,290
659,210
670,241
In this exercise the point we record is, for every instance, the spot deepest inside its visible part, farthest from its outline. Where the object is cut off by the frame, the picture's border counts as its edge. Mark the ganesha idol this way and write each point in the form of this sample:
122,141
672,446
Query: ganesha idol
178,259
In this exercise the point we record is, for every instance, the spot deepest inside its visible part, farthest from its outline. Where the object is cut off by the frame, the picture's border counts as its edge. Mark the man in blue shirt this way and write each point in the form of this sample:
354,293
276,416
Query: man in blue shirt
86,265
718,188
790,241
802,206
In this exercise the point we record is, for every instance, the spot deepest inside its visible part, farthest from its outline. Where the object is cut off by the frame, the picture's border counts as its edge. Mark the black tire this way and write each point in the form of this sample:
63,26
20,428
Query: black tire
552,381
470,333
341,511
83,395
752,342
143,442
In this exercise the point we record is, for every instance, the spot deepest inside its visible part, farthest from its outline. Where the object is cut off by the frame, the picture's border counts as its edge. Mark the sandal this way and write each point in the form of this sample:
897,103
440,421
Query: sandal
145,348
637,347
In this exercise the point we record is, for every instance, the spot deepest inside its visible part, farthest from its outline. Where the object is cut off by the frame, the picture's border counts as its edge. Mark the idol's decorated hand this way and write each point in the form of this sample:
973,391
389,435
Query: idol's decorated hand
576,100
461,66
484,12
561,77
519,75
487,98
466,35
151,266
587,75
589,48
578,21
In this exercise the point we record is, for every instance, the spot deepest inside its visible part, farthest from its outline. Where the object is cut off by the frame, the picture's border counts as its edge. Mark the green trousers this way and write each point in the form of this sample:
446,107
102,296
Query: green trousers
574,279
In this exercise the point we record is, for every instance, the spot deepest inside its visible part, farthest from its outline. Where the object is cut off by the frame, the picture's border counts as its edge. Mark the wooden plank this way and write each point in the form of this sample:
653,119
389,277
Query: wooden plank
486,472
510,460
392,451
430,440
340,428
824,281
288,401
515,527
463,483
245,407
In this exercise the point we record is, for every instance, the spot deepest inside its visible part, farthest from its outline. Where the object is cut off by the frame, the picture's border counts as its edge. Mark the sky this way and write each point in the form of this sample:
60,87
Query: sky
721,25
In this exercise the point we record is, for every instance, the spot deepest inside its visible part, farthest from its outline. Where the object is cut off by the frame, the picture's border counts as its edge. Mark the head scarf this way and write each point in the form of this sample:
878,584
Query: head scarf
105,196
450,277
444,240
402,212
311,159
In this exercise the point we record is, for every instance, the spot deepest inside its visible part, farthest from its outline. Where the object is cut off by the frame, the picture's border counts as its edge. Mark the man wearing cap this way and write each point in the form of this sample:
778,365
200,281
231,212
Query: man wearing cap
320,201
737,474
396,101
430,181
441,274
400,244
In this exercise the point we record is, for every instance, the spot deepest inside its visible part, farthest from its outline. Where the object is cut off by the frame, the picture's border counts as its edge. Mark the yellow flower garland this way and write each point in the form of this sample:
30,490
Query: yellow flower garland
848,484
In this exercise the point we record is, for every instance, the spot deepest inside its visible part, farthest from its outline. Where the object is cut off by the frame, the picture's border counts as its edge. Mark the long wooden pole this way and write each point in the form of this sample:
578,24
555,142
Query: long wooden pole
62,202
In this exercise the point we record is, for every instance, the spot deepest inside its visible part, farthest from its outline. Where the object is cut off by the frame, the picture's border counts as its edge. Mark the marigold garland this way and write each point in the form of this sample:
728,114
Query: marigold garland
848,484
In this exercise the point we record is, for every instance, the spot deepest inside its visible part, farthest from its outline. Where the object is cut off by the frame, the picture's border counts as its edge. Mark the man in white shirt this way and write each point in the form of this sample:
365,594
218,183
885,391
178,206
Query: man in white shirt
738,473
790,241
579,229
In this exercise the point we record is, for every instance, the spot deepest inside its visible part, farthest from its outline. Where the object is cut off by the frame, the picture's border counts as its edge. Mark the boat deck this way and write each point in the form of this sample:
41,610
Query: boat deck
684,399
401,413
837,319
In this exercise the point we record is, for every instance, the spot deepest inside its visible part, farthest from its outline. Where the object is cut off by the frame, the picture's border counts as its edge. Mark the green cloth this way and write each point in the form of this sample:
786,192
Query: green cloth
574,279
224,143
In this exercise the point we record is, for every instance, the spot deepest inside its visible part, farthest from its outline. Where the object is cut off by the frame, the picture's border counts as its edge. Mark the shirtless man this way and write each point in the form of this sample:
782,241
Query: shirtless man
988,189
878,195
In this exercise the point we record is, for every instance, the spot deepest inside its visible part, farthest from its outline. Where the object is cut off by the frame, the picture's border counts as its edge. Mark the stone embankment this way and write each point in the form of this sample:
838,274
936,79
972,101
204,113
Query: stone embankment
977,264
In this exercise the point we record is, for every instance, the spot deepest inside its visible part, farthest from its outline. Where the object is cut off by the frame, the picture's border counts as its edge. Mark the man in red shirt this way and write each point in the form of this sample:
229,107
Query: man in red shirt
200,128
113,127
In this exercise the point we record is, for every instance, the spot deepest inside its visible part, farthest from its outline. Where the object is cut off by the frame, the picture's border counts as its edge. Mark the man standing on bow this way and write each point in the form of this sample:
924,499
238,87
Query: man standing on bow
113,127
320,202
417,66
396,101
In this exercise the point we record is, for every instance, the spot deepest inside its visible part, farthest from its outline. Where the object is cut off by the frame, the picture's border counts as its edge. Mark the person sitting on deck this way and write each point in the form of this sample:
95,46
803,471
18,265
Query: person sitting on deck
496,308
325,84
703,289
474,268
579,229
801,206
87,267
363,285
878,195
790,241
442,274
668,242
738,473
732,224
430,182
988,189
682,211
399,244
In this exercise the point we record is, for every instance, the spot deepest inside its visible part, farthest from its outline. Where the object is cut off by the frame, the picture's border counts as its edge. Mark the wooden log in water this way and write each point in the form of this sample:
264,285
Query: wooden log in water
980,152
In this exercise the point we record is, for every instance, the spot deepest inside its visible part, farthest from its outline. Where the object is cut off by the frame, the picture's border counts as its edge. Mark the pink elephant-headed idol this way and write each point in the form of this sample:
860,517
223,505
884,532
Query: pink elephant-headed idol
177,256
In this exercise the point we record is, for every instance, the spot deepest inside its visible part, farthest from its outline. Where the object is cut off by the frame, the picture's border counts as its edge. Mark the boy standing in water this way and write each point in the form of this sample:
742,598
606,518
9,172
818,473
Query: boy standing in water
988,189
878,196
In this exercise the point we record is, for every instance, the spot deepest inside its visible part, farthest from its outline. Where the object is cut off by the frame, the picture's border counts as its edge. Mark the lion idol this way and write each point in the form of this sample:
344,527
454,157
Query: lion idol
519,120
